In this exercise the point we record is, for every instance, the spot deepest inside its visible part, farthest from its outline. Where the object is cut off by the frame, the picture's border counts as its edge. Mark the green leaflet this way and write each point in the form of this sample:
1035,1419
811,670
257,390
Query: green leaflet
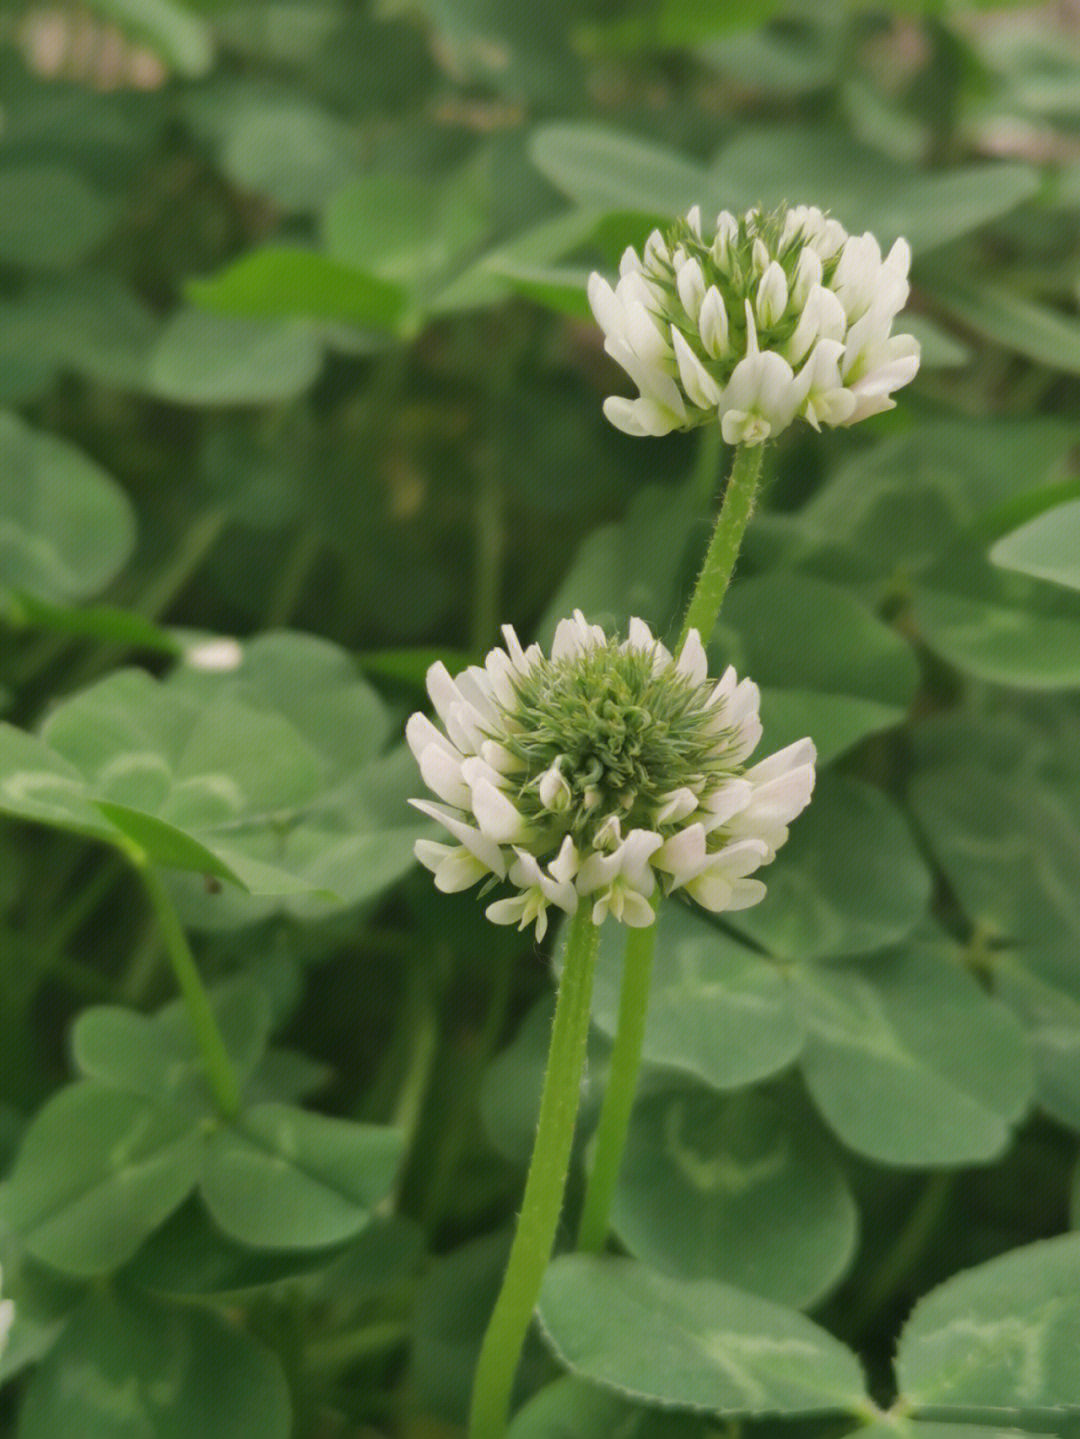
692,1344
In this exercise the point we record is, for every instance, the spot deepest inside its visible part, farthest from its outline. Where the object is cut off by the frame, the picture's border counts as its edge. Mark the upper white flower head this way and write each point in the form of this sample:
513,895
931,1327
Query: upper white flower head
768,316
7,1318
594,773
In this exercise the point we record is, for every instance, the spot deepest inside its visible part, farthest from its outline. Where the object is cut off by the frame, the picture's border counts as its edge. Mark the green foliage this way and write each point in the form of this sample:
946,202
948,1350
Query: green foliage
112,1156
66,527
883,1044
736,1189
147,1369
699,1344
997,1337
294,346
1046,547
785,629
716,1011
207,773
850,881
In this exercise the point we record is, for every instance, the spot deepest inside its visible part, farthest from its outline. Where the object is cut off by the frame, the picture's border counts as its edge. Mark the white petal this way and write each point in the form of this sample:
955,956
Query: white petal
740,858
727,230
790,757
831,237
420,732
713,323
867,405
744,893
743,427
676,806
636,911
779,800
823,318
656,250
476,843
442,689
808,273
634,854
525,871
503,761
732,797
690,283
644,336
502,675
629,264
740,392
565,864
639,418
508,911
725,687
772,295
608,836
896,364
651,377
639,635
683,855
496,815
475,688
692,661
555,794
778,393
605,307
441,772
453,866
712,891
431,853
574,636
699,385
597,872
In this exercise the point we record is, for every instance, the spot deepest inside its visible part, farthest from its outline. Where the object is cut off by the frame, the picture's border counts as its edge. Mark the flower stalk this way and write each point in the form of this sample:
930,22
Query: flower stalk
219,1069
544,1187
727,538
618,1103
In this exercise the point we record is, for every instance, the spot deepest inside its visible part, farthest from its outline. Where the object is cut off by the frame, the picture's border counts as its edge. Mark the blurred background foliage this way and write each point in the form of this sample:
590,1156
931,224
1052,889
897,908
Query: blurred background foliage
293,337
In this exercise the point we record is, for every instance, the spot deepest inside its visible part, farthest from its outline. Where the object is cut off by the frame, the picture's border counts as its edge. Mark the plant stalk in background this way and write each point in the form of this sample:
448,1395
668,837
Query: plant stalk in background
614,1123
542,1203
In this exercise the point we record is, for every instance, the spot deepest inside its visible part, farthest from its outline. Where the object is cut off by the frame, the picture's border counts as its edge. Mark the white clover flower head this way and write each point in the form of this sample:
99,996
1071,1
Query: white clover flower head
7,1318
598,773
741,323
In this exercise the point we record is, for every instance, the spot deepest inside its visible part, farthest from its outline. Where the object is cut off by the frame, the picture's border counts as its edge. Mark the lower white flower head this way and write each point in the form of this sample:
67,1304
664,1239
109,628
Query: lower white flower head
763,318
7,1318
596,774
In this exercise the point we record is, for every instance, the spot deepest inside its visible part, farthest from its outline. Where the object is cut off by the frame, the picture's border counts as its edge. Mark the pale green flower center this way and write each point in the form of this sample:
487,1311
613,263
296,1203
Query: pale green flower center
622,736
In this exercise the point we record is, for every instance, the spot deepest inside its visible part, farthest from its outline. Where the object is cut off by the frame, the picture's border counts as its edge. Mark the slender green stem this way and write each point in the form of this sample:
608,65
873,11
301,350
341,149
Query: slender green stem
611,1132
341,1350
704,606
723,549
903,1253
542,1202
219,1069
293,578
